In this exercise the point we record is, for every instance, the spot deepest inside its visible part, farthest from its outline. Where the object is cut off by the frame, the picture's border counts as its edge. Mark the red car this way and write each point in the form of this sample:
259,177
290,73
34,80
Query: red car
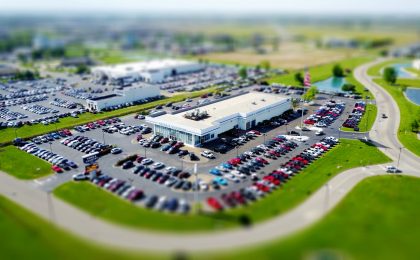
100,122
214,203
67,132
261,160
56,169
262,187
272,180
255,132
139,159
238,197
234,161
139,137
164,140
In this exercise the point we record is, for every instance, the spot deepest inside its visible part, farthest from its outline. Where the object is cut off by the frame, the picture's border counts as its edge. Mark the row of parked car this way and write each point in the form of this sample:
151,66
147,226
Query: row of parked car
63,103
119,187
355,117
51,136
326,114
127,129
59,163
38,109
97,124
9,115
23,100
268,183
84,144
128,104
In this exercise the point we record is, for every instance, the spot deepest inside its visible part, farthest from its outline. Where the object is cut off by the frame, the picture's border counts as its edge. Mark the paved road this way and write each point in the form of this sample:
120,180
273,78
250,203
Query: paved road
310,211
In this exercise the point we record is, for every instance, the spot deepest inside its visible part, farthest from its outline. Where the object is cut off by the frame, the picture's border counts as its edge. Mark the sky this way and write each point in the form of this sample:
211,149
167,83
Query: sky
375,7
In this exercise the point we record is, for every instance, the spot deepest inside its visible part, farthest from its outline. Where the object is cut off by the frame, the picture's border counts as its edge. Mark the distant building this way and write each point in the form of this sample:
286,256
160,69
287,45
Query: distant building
122,96
7,71
150,71
40,42
416,64
196,127
76,61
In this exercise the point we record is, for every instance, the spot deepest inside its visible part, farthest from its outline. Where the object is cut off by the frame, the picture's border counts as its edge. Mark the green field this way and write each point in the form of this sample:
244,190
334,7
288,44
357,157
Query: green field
107,206
21,164
323,72
27,236
368,119
8,134
376,70
372,222
408,112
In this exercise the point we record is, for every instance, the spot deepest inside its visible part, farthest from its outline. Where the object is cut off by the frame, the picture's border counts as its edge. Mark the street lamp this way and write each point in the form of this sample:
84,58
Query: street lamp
103,136
237,150
399,157
145,151
264,135
15,132
50,146
196,188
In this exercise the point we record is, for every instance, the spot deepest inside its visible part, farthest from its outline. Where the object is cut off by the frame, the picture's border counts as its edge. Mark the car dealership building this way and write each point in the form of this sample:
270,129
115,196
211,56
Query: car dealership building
240,112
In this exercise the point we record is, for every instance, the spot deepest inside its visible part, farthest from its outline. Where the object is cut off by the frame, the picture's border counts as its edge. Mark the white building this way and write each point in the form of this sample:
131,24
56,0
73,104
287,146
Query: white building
151,71
241,112
416,64
123,96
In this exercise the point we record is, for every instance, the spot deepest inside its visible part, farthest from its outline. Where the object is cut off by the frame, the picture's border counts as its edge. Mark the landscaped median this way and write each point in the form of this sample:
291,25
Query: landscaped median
22,165
100,203
367,121
408,112
323,72
8,134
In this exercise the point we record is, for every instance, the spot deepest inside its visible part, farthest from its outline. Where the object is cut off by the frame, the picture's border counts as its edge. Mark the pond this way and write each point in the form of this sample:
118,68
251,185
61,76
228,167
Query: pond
413,94
401,72
332,84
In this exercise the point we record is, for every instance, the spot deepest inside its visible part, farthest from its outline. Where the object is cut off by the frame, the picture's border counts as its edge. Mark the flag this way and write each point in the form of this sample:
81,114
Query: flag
307,79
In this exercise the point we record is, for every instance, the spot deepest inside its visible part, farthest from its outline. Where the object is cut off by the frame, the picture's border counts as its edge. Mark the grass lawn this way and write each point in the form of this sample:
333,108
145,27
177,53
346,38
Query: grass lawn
105,205
376,70
27,236
414,71
377,220
408,112
367,120
323,72
21,164
8,134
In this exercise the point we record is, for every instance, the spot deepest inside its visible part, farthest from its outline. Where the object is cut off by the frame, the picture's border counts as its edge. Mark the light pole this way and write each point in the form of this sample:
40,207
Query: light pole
15,132
237,150
264,134
50,146
399,157
182,163
367,119
145,151
196,189
103,136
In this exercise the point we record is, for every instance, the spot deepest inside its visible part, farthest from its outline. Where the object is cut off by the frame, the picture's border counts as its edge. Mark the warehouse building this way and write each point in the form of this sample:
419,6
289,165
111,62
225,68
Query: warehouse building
150,71
197,126
122,96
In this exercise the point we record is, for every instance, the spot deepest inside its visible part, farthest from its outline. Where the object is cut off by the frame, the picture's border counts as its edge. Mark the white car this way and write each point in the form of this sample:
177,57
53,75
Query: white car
392,169
161,203
116,150
231,177
208,154
158,165
80,177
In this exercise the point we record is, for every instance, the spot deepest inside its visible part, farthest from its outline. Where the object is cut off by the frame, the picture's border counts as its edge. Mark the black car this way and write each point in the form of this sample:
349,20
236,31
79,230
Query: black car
221,148
194,157
127,165
182,153
151,201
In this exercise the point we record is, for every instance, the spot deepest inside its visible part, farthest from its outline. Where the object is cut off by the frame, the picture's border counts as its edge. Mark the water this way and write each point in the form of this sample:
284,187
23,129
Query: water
413,94
332,84
399,67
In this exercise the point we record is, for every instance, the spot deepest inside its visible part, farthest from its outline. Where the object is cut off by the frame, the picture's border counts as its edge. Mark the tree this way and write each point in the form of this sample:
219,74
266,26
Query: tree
337,71
82,68
348,87
415,126
390,75
265,64
299,78
310,94
243,73
295,103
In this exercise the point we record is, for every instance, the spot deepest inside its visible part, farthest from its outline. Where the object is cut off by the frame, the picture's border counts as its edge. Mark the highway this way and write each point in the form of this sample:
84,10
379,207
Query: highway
383,134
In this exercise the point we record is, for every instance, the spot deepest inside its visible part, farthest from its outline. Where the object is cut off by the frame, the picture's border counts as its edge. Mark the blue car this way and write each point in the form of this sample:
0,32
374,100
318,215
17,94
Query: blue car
227,166
215,171
165,147
220,181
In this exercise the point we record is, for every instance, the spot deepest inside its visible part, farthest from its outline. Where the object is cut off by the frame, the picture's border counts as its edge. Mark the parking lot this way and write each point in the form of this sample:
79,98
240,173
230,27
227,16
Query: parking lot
129,145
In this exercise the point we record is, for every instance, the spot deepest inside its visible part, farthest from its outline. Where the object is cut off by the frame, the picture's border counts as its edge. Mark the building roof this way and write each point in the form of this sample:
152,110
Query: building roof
244,105
146,66
103,97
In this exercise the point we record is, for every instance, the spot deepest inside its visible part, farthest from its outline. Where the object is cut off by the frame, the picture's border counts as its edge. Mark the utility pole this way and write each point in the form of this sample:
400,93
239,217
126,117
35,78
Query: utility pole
399,157
103,136
196,189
